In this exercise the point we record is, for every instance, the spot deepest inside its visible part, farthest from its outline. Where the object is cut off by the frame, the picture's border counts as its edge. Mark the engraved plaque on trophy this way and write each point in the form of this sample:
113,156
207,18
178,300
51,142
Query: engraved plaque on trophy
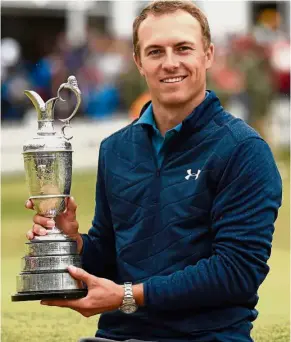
48,170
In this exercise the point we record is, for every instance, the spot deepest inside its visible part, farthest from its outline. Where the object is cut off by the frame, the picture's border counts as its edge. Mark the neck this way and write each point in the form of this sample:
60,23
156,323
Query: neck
168,117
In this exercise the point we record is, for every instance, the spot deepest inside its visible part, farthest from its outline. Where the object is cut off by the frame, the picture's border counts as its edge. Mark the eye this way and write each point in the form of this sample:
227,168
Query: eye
184,48
154,52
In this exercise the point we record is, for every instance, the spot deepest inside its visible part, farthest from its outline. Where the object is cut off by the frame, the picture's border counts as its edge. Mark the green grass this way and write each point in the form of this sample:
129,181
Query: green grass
29,321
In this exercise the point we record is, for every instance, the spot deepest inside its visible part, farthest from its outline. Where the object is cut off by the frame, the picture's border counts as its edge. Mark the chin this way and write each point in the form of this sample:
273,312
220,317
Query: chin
174,99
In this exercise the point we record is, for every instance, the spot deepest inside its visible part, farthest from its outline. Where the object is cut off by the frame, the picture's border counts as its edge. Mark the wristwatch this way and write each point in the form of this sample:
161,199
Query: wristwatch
128,305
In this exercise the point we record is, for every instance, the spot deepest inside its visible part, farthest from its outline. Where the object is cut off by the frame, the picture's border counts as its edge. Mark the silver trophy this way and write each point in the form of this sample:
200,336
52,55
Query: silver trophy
48,169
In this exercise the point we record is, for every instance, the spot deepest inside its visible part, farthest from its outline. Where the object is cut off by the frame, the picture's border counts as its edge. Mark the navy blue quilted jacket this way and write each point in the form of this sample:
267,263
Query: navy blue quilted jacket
199,244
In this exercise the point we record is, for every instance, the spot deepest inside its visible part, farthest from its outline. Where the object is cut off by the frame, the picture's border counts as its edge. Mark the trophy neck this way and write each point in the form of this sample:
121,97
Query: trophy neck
46,127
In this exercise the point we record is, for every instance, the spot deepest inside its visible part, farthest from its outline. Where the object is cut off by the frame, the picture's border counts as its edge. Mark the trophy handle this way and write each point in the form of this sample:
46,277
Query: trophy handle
73,86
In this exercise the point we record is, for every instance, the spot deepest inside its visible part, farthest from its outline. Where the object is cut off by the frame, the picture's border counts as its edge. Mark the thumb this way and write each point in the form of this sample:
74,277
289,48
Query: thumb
29,204
71,207
79,274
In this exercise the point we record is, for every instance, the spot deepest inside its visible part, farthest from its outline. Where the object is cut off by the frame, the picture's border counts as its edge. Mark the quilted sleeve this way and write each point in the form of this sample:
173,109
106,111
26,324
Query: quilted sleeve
243,215
98,254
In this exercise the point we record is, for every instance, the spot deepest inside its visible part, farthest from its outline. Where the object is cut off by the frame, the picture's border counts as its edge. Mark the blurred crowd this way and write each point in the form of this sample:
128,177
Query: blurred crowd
98,66
254,69
251,69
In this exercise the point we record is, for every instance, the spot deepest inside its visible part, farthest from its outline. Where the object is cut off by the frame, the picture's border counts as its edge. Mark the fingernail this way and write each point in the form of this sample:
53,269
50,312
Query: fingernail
71,268
43,231
27,203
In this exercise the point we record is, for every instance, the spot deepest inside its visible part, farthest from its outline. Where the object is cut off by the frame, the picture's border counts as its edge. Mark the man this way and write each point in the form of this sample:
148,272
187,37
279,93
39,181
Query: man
186,199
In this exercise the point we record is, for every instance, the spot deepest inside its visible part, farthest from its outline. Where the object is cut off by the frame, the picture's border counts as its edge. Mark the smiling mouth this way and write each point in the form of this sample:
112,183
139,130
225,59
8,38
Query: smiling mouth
173,79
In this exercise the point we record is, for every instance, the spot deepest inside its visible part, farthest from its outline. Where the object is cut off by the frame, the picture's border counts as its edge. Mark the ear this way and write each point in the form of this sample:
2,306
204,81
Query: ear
137,61
209,56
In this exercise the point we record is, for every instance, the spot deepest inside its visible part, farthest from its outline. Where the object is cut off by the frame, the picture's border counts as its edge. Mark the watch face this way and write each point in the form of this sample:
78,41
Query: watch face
129,308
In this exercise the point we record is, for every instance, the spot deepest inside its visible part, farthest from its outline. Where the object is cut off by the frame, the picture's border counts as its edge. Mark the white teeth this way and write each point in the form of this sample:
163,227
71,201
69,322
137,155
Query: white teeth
172,80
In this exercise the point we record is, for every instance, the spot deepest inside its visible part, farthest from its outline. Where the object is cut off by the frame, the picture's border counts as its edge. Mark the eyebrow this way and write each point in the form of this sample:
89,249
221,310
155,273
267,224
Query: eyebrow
185,43
155,46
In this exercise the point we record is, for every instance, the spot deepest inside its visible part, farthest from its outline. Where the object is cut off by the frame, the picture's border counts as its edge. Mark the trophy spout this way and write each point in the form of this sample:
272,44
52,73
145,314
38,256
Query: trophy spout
44,109
38,103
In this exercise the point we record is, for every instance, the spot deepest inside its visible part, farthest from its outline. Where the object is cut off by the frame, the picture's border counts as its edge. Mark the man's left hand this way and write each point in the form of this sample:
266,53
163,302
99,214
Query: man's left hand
103,295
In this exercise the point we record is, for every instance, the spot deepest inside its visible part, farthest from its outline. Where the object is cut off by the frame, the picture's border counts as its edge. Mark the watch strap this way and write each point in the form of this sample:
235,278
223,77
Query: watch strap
128,304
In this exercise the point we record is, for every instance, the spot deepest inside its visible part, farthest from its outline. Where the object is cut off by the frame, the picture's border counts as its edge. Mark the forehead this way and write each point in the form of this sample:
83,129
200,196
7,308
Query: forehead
169,29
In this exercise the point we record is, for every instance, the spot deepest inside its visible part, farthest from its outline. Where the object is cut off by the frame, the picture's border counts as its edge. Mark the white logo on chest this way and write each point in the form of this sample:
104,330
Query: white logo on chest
190,174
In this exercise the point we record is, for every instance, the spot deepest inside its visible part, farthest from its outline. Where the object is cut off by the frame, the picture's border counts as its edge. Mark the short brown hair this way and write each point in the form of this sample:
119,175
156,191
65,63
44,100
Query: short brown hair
161,7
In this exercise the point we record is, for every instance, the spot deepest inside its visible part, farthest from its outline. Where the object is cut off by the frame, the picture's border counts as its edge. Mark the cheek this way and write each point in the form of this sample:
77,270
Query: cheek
194,65
151,81
198,72
150,75
150,67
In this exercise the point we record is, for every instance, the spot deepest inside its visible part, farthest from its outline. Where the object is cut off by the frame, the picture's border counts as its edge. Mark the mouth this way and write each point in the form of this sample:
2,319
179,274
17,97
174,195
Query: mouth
176,79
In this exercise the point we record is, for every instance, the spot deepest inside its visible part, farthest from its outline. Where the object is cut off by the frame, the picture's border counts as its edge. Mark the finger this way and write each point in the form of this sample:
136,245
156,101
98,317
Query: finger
71,209
80,274
39,230
59,303
29,204
30,235
82,311
44,221
66,201
75,304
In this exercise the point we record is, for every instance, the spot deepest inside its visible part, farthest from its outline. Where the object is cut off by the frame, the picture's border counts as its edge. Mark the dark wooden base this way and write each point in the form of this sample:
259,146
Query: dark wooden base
68,294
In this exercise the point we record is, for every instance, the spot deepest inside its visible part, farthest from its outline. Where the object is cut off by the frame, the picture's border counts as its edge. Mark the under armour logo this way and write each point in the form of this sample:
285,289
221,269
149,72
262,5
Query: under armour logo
190,174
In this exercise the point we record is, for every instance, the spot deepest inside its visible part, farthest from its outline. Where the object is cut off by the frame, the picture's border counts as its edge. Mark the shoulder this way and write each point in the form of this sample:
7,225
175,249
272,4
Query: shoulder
241,148
248,156
246,141
233,133
235,127
119,137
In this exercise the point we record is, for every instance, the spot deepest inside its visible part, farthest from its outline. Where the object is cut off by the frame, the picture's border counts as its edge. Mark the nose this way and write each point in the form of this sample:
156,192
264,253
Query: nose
170,63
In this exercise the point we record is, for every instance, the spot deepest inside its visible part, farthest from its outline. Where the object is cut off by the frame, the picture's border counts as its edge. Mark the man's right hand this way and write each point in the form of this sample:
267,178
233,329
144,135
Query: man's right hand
65,221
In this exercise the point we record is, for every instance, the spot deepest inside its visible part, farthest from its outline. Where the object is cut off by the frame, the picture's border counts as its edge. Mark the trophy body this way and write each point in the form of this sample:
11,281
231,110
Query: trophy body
48,170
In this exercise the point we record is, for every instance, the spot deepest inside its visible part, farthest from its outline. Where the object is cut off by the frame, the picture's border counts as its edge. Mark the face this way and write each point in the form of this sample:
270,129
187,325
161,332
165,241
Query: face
172,57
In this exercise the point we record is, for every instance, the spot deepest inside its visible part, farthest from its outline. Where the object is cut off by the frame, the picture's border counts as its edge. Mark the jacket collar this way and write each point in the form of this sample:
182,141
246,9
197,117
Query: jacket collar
201,115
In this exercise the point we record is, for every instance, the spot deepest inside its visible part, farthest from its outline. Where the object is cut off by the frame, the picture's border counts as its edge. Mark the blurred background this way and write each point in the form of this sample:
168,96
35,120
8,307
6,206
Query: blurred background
43,42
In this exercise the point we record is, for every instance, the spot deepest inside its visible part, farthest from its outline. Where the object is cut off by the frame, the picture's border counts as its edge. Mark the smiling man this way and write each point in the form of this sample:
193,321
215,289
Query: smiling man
186,200
173,52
